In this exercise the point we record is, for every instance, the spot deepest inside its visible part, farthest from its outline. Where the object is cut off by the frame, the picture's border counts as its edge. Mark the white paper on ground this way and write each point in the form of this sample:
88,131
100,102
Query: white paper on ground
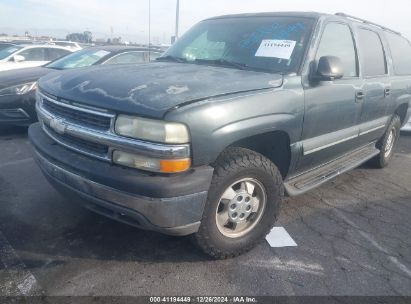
279,237
282,49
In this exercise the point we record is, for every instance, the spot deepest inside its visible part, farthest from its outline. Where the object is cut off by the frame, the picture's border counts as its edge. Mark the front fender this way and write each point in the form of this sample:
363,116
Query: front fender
217,124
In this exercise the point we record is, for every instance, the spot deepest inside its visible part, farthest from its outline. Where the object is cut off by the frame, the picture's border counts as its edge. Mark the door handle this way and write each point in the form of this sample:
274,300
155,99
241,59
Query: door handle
387,92
359,96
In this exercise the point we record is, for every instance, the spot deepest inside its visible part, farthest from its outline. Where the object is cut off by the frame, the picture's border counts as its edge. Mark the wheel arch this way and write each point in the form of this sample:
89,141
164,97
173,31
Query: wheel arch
401,111
274,145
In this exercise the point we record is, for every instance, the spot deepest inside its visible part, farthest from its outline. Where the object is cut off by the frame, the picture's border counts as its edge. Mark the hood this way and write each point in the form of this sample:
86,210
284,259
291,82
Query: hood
20,76
152,89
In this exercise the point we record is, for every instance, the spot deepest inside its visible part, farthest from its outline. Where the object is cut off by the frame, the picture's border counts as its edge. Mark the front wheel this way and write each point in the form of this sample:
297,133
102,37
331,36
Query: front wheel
387,143
243,203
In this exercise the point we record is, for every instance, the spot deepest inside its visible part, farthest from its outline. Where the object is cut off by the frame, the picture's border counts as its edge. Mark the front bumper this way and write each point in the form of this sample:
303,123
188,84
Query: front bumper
18,109
171,204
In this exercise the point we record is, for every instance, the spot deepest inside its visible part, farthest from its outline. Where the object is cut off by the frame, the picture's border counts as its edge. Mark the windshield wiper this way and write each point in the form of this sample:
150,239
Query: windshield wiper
171,58
224,62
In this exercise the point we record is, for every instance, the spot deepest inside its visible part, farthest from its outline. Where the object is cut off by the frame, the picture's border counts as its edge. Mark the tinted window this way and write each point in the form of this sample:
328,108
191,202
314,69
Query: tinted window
4,53
372,53
5,45
53,54
35,54
401,54
274,44
79,59
337,41
129,58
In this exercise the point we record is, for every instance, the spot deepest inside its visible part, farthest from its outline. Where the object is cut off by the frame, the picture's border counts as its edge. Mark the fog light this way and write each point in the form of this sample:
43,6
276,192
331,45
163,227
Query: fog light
151,164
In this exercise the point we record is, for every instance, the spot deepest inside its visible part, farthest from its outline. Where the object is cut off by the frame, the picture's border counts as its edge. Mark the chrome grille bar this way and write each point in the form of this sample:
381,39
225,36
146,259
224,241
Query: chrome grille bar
61,125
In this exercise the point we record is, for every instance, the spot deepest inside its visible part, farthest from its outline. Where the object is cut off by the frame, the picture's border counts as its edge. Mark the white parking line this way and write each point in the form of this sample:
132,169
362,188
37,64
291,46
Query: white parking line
24,280
279,237
17,162
370,239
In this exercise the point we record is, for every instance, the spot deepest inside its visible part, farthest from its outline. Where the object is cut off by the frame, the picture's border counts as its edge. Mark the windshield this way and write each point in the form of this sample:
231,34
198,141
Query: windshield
273,44
78,59
4,53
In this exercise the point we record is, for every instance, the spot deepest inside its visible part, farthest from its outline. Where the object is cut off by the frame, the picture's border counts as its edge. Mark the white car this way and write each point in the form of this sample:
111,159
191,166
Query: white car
25,56
407,126
67,44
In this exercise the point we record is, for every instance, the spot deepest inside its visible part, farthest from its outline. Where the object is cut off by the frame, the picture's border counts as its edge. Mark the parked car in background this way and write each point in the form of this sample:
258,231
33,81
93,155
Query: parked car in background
17,98
407,126
68,44
240,110
4,45
24,56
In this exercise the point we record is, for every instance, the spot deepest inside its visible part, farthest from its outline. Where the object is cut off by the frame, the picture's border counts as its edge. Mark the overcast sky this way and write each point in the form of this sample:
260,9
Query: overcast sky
129,18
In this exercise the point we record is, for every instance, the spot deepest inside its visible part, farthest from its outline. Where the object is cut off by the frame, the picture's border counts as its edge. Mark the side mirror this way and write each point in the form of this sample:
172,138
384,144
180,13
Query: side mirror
18,58
328,68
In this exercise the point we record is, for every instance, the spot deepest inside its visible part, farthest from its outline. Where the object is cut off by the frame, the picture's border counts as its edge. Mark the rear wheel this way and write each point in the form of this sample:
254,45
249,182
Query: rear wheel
387,143
243,203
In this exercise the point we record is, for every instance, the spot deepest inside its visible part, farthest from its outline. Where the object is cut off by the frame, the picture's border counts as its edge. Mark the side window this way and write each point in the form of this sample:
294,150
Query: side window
127,58
34,54
337,40
401,53
372,53
53,54
154,56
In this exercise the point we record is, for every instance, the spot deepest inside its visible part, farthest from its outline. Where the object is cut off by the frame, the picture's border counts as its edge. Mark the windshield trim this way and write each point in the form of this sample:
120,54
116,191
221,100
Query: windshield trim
306,52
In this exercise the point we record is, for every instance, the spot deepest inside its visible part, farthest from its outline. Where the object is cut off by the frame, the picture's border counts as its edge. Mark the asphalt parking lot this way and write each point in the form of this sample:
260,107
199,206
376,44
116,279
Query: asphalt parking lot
353,238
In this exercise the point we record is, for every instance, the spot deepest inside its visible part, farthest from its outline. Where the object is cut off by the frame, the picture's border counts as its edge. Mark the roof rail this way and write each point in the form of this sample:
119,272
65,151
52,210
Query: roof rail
367,22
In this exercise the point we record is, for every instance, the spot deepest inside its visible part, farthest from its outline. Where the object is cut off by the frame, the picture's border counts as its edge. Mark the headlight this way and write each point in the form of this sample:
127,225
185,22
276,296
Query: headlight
152,130
20,89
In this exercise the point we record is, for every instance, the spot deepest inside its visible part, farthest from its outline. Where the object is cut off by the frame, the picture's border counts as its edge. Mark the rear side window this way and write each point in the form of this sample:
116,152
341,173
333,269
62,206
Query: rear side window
401,54
337,41
129,58
53,54
373,57
34,54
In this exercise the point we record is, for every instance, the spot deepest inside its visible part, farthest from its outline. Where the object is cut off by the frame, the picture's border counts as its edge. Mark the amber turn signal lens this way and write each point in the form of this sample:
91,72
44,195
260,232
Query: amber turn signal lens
174,165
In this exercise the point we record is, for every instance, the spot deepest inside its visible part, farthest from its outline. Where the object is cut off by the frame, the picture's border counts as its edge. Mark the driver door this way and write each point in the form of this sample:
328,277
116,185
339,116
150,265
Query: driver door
332,108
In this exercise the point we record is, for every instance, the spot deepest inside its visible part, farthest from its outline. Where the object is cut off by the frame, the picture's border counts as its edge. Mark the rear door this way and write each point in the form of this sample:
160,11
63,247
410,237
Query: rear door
377,85
53,54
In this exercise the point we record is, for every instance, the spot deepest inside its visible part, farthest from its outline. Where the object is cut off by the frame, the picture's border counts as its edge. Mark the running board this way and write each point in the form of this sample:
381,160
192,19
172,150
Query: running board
320,175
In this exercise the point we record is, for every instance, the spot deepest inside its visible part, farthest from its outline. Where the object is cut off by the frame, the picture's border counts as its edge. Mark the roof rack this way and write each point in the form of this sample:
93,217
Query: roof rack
367,22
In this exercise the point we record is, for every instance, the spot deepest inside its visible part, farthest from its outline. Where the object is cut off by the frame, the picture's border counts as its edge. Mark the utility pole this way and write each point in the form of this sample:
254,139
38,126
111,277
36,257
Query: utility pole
149,23
177,18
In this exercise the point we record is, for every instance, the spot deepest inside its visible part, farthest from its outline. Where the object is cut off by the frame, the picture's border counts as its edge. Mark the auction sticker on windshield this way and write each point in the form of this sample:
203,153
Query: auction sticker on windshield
282,49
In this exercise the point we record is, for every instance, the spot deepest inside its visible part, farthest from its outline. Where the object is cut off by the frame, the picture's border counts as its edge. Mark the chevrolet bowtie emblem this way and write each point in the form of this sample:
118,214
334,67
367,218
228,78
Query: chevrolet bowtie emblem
58,125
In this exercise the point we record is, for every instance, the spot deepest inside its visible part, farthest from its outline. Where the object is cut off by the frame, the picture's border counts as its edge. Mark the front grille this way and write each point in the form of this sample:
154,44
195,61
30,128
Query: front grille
87,147
91,120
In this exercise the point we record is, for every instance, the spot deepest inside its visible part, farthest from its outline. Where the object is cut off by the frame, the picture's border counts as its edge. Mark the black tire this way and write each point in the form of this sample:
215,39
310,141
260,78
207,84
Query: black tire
233,165
382,159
